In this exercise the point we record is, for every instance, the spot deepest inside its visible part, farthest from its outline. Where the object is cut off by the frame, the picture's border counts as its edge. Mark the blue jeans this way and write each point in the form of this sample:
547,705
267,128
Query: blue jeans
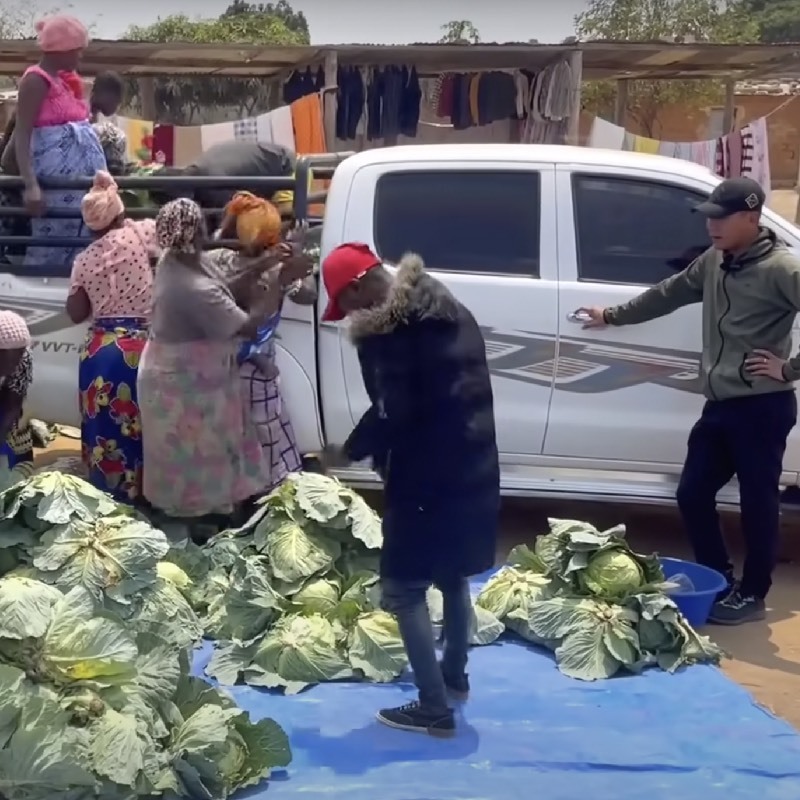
406,600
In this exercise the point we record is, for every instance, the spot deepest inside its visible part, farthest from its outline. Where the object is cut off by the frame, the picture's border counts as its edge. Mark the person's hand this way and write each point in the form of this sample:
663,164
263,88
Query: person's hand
764,364
333,456
33,199
296,267
592,317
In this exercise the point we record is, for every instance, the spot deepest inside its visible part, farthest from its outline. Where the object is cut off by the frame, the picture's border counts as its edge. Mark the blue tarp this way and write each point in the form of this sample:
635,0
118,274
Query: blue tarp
528,731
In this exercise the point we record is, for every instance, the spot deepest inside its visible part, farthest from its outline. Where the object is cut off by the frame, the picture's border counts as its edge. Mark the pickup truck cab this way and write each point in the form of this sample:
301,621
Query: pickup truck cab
524,235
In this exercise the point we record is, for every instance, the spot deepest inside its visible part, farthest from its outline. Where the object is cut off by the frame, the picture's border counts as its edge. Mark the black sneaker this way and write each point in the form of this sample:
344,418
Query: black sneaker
731,588
457,686
736,610
414,717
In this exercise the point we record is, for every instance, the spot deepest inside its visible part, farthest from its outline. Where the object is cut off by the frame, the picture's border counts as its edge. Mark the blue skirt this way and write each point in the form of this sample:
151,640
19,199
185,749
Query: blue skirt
111,426
70,150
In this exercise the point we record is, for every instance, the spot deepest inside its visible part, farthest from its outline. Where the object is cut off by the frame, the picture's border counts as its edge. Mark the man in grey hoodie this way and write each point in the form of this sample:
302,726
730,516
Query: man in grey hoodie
749,285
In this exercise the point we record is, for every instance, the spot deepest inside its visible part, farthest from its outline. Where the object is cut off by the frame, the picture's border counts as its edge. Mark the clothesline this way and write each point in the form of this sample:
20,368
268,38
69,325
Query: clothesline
742,152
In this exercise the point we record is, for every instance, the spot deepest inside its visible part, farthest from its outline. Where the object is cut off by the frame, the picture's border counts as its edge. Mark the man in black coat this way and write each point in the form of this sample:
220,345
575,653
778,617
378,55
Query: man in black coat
430,435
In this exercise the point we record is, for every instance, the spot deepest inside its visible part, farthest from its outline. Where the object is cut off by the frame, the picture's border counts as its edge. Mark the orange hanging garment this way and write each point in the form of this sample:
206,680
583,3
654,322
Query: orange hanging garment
309,136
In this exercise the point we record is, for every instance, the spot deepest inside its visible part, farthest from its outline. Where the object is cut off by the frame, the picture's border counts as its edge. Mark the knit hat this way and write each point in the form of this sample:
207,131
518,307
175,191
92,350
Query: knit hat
61,34
14,333
101,205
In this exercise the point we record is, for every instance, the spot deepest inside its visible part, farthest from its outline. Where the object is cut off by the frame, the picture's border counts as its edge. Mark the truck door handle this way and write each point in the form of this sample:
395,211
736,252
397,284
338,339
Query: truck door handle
578,317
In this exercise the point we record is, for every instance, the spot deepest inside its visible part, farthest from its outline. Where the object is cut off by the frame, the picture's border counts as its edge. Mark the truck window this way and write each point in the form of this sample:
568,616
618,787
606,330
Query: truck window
469,221
634,231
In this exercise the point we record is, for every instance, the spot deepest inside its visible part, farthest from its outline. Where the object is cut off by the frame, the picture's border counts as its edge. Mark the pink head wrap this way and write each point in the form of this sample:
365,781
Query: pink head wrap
14,333
61,33
101,205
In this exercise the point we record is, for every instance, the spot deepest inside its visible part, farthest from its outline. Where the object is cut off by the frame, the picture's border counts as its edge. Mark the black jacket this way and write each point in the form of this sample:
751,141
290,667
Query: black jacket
429,430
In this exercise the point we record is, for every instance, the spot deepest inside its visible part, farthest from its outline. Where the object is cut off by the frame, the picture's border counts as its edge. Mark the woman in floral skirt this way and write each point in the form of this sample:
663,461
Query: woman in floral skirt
112,284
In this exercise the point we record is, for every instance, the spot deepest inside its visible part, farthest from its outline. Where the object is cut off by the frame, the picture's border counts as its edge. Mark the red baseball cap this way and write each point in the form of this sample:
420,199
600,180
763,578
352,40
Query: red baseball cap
344,264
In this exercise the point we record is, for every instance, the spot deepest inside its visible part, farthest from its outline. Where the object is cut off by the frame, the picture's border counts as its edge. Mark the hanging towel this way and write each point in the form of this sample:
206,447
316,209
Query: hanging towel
139,133
309,133
606,134
216,134
759,169
683,150
628,141
245,130
264,129
705,153
164,145
282,128
668,149
643,144
187,145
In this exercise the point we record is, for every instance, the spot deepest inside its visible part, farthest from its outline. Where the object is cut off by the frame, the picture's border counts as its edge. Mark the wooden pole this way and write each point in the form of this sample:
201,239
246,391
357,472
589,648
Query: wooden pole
729,112
576,65
621,104
329,99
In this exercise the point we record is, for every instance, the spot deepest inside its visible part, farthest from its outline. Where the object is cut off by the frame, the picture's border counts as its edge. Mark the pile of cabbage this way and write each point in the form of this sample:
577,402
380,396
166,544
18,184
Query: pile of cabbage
96,643
291,598
602,609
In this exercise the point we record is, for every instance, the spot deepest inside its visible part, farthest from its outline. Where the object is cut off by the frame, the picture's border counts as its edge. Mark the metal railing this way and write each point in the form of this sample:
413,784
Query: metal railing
315,167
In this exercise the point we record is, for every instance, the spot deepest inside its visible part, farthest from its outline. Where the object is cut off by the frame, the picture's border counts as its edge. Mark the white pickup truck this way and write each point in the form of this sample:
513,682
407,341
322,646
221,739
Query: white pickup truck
524,235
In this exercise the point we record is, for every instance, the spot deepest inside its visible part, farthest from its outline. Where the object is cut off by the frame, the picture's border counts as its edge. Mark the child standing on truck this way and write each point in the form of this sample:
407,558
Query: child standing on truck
112,283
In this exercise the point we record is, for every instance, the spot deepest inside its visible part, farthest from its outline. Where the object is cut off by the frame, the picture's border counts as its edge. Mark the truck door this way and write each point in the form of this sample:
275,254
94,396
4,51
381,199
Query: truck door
485,229
629,394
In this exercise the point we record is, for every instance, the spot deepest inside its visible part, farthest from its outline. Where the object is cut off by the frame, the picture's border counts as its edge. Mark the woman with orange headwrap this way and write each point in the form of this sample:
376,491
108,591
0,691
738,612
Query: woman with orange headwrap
112,284
258,227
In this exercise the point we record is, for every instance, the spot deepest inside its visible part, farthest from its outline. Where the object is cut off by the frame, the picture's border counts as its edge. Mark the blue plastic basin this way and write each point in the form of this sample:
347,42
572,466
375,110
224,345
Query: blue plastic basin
708,583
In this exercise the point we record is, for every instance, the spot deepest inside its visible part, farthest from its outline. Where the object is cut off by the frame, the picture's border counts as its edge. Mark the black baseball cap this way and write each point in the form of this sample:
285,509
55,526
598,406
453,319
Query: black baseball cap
732,196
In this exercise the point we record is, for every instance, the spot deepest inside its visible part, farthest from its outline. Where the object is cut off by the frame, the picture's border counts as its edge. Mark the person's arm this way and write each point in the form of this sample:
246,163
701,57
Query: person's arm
788,280
31,94
78,306
13,394
304,292
671,294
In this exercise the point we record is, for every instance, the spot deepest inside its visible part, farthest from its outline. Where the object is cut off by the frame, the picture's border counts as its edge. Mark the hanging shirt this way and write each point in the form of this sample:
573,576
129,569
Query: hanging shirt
606,134
644,144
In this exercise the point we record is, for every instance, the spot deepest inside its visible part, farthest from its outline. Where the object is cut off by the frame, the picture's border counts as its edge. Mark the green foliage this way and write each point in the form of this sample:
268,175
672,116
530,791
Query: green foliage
660,20
778,21
459,31
179,100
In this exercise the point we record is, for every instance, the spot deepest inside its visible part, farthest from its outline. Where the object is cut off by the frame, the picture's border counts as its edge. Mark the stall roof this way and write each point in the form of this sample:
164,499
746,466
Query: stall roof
606,59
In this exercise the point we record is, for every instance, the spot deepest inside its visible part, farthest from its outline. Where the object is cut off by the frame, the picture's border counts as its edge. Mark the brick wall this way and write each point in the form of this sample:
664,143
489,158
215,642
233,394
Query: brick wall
678,124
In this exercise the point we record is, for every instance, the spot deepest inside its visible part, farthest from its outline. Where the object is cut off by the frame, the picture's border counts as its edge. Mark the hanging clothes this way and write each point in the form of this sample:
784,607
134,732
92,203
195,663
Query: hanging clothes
375,105
644,144
139,136
755,154
444,108
163,151
606,135
474,89
309,131
245,130
188,145
350,98
218,133
705,154
721,157
497,97
735,154
301,84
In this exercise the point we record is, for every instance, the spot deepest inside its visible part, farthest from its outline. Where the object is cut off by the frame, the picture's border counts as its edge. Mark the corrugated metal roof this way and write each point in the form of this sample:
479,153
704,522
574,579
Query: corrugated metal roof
600,59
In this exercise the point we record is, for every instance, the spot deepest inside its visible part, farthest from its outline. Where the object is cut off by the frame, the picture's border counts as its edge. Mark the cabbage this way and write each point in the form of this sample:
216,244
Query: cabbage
317,596
612,573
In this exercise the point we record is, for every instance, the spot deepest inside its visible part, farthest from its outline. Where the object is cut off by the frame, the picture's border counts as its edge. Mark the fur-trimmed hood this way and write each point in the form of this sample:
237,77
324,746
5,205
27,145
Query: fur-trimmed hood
414,294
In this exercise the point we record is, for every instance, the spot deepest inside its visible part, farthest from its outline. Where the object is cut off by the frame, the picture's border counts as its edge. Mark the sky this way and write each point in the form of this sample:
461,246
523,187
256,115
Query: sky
360,21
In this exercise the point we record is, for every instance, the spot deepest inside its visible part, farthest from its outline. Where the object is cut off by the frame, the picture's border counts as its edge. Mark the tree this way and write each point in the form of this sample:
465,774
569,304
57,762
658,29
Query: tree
667,21
459,31
295,21
179,99
778,21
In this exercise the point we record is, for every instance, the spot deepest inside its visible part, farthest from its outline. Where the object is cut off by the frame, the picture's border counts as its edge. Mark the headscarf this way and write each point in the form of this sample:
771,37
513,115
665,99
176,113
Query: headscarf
178,224
257,220
114,143
101,205
14,333
61,33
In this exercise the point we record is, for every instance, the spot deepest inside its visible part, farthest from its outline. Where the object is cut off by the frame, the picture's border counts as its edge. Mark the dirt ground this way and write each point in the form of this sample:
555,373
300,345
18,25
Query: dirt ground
765,657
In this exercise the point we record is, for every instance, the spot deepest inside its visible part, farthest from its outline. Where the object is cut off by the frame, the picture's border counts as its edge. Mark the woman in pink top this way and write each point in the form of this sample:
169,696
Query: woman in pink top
53,136
112,284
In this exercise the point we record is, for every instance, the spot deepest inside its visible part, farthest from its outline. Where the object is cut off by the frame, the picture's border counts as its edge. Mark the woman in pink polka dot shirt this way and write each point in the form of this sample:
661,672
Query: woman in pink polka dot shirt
112,284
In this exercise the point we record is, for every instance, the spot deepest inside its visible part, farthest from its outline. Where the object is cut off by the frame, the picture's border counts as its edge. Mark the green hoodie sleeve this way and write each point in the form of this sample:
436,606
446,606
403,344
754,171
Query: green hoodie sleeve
789,285
671,294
